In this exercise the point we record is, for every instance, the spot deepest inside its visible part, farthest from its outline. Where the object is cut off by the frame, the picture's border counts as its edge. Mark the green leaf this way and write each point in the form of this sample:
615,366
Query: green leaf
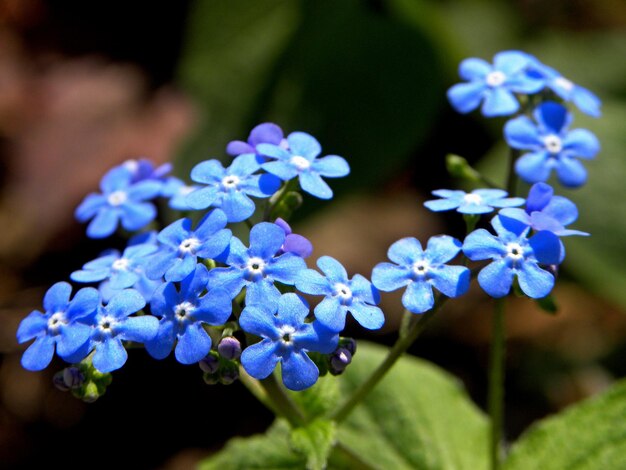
417,417
315,441
590,435
319,399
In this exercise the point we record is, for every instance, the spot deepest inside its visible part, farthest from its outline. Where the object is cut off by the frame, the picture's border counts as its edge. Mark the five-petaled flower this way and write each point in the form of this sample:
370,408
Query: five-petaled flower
551,145
420,270
286,338
479,201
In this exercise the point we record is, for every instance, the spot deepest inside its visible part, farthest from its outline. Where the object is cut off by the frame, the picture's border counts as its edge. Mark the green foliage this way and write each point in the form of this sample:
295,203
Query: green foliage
418,417
590,435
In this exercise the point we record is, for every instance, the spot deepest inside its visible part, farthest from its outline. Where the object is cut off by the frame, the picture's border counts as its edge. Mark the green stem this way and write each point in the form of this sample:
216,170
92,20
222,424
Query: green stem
353,458
496,383
275,200
399,348
255,387
511,180
281,402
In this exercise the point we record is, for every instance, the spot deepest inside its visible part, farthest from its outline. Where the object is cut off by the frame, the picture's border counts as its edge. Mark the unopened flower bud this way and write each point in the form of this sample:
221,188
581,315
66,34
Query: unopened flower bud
210,379
59,382
229,348
73,377
340,360
458,167
349,344
229,375
210,364
91,393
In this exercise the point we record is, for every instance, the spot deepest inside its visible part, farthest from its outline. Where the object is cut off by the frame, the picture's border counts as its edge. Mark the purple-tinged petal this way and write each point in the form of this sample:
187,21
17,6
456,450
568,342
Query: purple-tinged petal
266,132
237,147
299,371
297,244
260,359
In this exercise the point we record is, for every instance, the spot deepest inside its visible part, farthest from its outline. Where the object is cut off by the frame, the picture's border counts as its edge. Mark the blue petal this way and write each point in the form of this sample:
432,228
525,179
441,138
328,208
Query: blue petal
571,172
586,101
299,371
137,215
442,249
160,262
418,297
39,354
553,116
292,310
522,133
229,279
546,247
144,190
452,281
110,355
316,337
140,329
84,303
89,207
332,269
104,223
192,345
533,167
214,308
203,198
115,179
364,290
389,277
539,196
181,268
260,359
562,209
581,143
34,324
499,102
311,282
313,184
466,97
237,206
237,147
534,281
210,224
266,132
195,283
474,69
123,279
163,342
286,268
368,316
57,297
303,144
496,278
125,303
208,172
262,291
216,245
480,244
265,240
273,151
297,244
510,62
284,170
439,205
72,338
258,320
331,166
330,314
244,165
508,225
405,251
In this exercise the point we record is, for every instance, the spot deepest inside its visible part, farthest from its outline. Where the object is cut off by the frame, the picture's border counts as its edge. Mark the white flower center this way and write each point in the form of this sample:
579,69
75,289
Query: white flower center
120,264
300,162
472,198
286,332
230,182
183,310
189,245
106,324
420,268
255,267
515,251
343,292
495,78
564,83
553,143
117,198
56,321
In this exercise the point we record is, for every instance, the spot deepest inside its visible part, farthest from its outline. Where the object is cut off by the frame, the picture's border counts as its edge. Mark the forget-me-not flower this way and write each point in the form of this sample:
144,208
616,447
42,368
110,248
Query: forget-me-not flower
121,201
181,246
494,85
182,315
113,324
143,169
420,270
514,255
230,188
342,295
300,160
257,268
59,326
551,145
177,191
286,340
479,201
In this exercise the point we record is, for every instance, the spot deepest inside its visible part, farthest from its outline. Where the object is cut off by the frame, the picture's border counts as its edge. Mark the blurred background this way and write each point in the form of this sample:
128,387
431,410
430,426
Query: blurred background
87,85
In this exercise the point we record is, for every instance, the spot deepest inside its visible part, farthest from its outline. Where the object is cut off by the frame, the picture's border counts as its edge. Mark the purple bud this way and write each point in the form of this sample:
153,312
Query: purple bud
58,381
73,377
349,344
229,348
210,364
229,375
340,360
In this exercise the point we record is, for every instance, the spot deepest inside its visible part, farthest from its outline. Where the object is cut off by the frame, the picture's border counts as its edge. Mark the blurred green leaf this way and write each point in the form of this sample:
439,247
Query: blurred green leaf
590,435
315,441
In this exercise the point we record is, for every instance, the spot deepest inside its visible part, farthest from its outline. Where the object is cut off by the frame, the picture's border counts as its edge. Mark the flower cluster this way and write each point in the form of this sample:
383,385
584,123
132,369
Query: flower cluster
189,288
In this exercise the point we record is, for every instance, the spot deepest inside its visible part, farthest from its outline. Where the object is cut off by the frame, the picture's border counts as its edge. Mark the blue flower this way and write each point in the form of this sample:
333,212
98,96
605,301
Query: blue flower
294,243
342,295
121,201
551,145
514,255
181,246
229,188
286,340
301,160
266,133
177,191
144,169
545,211
420,270
258,267
494,85
113,323
479,201
584,99
60,326
182,315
